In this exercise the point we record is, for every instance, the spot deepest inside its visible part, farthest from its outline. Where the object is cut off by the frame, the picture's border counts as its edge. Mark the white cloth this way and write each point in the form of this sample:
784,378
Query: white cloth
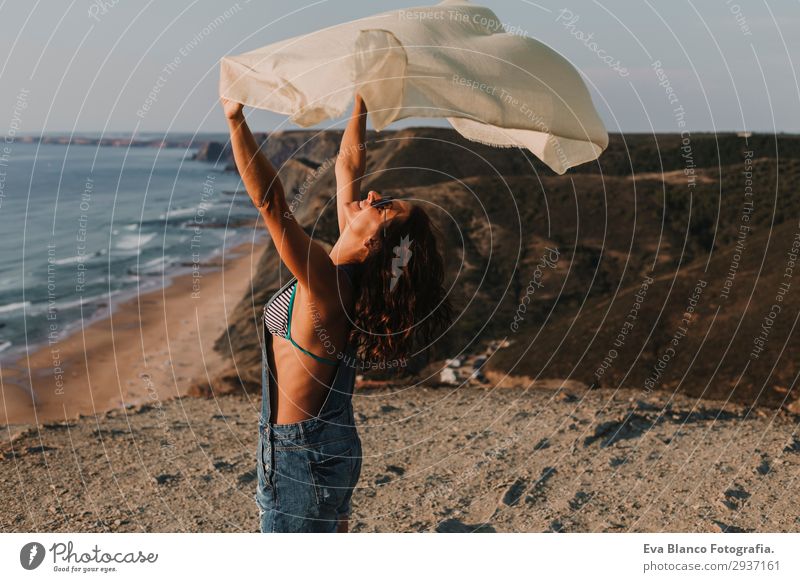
452,60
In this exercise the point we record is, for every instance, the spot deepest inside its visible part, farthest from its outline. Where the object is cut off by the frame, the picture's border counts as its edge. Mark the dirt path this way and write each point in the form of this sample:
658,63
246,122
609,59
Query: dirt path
435,460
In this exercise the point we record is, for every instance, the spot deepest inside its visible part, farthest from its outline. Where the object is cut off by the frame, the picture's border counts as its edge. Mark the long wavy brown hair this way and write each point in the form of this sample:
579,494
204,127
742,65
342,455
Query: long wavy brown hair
401,301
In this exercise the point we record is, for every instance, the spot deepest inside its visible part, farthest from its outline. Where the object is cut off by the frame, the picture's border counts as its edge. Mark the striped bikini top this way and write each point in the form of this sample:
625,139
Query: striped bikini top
278,313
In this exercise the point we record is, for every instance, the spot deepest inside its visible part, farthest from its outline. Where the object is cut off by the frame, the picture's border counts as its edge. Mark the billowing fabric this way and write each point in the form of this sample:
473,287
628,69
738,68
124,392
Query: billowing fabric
453,60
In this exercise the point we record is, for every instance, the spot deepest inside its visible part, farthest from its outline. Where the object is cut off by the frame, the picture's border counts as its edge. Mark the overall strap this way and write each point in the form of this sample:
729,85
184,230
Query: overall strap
340,393
265,381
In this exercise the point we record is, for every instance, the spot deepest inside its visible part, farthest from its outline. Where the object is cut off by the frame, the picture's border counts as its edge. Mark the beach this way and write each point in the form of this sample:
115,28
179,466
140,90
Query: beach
435,460
155,346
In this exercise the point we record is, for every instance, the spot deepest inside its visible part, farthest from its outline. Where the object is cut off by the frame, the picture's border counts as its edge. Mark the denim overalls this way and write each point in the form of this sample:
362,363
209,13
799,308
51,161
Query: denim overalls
307,470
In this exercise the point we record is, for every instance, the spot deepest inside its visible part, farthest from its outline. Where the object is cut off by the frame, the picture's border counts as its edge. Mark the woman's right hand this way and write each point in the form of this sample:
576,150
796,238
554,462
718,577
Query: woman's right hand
233,109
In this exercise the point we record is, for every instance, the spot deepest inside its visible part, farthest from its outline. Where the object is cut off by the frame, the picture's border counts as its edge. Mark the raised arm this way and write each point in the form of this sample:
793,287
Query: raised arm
301,255
351,161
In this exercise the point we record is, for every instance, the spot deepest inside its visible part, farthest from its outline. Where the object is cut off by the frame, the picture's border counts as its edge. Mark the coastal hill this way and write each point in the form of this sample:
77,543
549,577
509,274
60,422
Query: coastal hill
658,267
628,321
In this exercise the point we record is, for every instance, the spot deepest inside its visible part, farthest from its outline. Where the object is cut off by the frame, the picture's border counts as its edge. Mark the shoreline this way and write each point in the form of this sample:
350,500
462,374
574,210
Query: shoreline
153,346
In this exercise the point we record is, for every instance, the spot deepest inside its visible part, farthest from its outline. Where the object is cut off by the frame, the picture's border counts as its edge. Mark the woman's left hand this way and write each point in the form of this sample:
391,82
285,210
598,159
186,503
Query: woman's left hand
233,109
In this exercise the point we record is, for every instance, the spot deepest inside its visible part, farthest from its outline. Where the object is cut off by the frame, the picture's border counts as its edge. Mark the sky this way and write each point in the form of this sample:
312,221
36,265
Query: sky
89,65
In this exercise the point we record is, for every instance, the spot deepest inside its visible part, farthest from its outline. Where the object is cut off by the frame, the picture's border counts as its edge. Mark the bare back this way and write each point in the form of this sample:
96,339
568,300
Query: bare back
302,382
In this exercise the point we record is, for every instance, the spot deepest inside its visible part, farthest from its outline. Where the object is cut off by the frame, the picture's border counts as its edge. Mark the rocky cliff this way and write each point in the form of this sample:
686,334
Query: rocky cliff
657,267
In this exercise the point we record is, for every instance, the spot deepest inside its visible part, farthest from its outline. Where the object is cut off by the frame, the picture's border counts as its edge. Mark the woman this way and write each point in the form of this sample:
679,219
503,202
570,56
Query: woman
376,296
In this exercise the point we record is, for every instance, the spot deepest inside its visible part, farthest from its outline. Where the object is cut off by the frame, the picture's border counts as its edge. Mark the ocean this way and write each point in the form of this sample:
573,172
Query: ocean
86,227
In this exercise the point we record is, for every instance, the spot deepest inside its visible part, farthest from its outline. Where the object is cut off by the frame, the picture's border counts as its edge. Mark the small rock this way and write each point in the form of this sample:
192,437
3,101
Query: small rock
617,461
247,477
224,466
726,528
735,498
165,478
542,444
538,491
512,495
793,407
555,526
39,449
562,396
794,447
581,498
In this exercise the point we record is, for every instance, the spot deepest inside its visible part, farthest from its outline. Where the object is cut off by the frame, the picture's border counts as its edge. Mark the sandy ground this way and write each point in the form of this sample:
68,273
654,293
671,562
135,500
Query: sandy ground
157,343
436,459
